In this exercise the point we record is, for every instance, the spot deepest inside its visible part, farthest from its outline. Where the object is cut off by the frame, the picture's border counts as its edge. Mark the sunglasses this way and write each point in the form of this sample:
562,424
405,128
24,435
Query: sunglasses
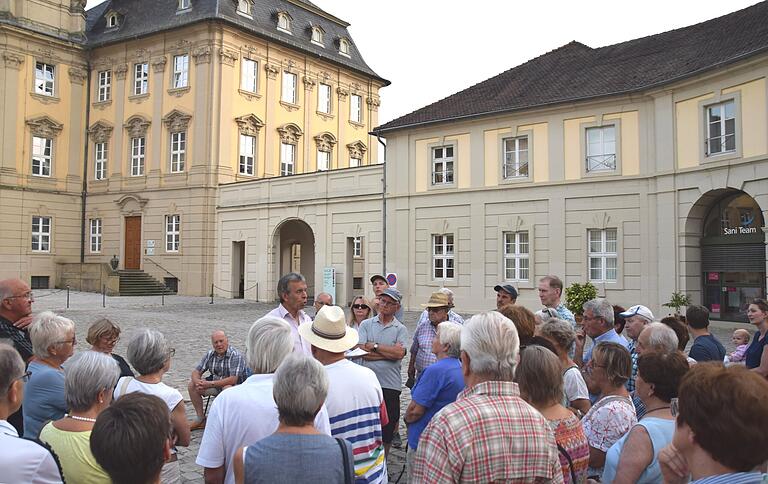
360,306
674,407
434,310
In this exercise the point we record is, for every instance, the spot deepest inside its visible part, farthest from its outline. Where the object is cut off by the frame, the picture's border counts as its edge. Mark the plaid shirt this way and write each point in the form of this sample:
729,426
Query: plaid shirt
632,353
489,434
231,364
423,337
19,338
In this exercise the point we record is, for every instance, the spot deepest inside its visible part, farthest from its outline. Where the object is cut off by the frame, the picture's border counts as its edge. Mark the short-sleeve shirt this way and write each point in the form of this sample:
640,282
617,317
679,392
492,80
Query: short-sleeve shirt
391,334
299,343
609,336
74,451
707,348
44,398
229,364
755,351
437,387
421,348
606,422
574,386
19,338
22,460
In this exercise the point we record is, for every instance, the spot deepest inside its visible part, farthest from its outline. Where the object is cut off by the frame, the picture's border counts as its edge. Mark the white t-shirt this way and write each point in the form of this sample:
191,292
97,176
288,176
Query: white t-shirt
574,386
240,416
25,461
354,408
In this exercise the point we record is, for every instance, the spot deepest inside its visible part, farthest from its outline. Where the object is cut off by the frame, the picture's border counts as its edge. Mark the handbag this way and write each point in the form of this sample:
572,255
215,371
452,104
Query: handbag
570,462
345,458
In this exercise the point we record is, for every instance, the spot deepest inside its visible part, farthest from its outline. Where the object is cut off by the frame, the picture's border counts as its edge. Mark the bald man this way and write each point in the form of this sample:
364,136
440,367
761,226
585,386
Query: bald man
226,366
16,314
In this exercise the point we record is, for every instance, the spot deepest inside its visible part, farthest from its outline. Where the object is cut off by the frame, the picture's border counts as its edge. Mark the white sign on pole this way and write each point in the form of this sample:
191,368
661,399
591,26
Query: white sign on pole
329,281
392,279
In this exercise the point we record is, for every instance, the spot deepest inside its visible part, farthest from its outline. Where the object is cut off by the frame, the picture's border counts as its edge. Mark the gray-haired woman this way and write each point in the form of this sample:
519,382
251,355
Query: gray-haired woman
297,451
562,335
53,342
89,380
150,354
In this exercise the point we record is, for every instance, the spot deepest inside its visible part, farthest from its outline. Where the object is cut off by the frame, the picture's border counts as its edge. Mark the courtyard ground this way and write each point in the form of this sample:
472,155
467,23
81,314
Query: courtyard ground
188,321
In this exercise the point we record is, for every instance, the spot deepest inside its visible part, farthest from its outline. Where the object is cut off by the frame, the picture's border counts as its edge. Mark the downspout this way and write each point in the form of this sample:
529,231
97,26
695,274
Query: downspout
383,208
84,192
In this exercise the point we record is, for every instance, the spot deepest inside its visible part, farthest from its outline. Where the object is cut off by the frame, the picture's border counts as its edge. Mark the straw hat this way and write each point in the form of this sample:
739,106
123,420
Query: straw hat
437,300
329,331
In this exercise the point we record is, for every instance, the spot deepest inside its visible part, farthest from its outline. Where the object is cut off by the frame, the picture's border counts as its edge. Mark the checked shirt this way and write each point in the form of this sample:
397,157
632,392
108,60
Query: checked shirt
489,434
230,364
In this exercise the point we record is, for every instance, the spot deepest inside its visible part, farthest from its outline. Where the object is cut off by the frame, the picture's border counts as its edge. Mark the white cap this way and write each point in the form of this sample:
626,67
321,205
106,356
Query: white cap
638,310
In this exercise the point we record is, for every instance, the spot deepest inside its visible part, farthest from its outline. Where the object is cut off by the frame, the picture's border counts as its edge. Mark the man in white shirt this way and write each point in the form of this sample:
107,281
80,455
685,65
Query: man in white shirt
354,397
292,291
20,460
246,413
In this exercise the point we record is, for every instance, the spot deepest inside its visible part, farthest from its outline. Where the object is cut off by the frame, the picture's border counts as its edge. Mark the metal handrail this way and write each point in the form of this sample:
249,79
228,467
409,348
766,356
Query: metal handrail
161,267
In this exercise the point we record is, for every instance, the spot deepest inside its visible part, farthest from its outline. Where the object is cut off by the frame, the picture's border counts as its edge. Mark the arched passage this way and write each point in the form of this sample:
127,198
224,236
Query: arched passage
295,251
729,224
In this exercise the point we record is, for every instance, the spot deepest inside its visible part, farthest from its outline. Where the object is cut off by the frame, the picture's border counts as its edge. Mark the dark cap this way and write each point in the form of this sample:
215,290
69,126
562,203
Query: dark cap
378,276
508,288
393,293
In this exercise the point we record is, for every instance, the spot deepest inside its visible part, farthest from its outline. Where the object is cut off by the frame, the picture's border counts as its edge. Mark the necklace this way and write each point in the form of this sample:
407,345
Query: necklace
82,419
654,409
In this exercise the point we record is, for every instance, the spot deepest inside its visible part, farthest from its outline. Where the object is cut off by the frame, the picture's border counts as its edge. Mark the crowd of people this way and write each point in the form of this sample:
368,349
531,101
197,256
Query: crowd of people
507,395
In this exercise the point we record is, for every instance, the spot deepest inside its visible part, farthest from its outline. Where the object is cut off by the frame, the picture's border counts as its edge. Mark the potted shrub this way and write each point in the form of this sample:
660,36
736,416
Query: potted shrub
576,295
677,301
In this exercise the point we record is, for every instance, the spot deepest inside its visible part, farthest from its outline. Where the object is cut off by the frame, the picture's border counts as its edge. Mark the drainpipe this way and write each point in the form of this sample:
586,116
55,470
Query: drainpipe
383,207
84,192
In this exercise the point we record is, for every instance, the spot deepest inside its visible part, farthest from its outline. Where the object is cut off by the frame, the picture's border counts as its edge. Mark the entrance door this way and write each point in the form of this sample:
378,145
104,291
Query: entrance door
132,242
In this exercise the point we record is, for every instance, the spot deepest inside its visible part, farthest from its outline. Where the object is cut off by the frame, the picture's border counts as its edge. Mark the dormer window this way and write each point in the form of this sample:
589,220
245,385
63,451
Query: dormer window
344,47
317,35
112,20
284,22
244,7
185,4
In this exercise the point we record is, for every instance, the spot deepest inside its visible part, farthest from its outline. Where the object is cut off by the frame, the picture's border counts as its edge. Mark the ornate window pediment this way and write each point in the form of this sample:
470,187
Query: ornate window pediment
290,133
113,18
325,141
137,126
344,46
100,131
284,20
317,34
177,121
357,149
44,127
249,124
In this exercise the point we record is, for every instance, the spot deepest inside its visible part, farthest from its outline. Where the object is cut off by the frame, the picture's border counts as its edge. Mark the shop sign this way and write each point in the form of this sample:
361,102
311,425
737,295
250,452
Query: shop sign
713,276
715,308
739,230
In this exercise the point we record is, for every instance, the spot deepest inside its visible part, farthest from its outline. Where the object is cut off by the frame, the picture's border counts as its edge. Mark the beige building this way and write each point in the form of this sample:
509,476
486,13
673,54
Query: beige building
122,123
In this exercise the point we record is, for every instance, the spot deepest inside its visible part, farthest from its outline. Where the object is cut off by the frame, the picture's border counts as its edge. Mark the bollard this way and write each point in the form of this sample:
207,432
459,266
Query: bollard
104,295
211,295
162,299
67,297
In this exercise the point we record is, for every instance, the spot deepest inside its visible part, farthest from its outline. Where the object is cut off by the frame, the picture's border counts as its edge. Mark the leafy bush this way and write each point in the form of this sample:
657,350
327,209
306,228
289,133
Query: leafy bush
577,294
677,301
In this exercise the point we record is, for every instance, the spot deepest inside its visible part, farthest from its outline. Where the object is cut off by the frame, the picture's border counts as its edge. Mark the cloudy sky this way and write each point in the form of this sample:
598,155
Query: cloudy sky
430,49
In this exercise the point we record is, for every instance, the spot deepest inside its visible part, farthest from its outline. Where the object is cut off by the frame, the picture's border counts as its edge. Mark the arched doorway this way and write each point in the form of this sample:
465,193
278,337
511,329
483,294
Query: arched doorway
732,255
295,244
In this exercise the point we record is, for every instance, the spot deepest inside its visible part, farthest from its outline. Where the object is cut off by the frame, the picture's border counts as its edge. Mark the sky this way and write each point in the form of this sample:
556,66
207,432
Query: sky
430,49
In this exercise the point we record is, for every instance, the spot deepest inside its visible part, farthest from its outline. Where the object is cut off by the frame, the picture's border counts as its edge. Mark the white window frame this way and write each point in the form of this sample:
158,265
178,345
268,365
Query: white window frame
104,86
178,151
138,155
599,158
185,4
722,124
324,98
247,157
244,7
140,78
317,36
599,255
443,167
355,162
516,247
42,156
249,76
112,21
289,94
284,23
101,152
443,257
356,108
323,160
357,247
45,79
180,71
512,163
287,159
344,47
96,231
172,233
41,233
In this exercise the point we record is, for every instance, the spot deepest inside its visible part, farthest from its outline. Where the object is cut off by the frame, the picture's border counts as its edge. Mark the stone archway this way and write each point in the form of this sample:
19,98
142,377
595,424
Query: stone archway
294,243
723,252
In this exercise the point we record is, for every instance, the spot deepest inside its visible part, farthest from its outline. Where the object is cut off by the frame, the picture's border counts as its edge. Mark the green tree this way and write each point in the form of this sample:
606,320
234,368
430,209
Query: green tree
577,294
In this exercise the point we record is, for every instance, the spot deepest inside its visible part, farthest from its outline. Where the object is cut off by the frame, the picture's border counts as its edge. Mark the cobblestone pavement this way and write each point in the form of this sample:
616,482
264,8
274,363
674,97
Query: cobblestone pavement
188,322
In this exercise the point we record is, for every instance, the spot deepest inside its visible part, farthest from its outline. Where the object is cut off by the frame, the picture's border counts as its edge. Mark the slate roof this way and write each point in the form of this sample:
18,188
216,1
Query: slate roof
145,17
576,72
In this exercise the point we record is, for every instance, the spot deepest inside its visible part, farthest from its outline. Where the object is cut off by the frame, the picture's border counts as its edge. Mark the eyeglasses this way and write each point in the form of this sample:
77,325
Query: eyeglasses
110,341
171,352
24,377
321,303
674,407
360,306
385,302
26,295
590,367
72,341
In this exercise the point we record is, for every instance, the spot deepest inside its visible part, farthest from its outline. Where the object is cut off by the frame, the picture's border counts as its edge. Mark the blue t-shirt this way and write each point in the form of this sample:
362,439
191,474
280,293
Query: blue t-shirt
44,398
707,348
438,386
755,351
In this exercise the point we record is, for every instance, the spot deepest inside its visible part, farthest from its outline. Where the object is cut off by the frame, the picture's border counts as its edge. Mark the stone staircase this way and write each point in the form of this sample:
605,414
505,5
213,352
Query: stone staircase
135,282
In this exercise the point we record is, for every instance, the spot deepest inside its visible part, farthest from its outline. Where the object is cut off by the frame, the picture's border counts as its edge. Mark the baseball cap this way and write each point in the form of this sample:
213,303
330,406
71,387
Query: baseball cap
378,276
508,288
393,293
638,310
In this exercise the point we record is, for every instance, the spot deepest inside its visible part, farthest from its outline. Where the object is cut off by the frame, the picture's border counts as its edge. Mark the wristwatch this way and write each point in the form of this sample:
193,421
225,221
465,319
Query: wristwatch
375,347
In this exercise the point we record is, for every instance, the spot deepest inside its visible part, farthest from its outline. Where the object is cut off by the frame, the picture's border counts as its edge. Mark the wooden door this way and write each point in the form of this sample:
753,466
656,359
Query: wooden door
132,243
